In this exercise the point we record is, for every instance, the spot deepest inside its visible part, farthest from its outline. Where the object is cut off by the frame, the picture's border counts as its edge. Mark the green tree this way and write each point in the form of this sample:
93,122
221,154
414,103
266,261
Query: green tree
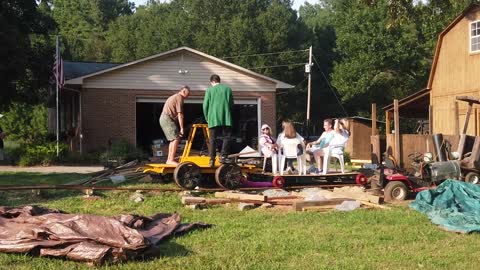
378,60
24,49
83,23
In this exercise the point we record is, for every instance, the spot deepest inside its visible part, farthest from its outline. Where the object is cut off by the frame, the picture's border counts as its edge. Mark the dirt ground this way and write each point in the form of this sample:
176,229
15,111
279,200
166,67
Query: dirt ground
52,169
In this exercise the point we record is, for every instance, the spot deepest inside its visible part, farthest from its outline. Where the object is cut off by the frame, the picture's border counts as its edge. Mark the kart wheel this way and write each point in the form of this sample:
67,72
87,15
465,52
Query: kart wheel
473,178
395,191
278,181
361,179
187,175
229,176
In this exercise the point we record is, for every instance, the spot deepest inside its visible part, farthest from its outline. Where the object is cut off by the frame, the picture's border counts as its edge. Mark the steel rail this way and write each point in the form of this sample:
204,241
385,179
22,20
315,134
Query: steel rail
108,188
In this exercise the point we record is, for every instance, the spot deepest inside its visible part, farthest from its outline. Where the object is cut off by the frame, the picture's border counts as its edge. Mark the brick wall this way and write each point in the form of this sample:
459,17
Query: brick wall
111,113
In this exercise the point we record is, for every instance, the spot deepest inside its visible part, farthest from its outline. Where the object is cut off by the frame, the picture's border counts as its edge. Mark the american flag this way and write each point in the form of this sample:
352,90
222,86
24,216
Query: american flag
58,70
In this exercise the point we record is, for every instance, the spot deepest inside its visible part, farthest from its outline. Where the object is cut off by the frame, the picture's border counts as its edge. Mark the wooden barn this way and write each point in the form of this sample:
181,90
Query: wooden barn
455,72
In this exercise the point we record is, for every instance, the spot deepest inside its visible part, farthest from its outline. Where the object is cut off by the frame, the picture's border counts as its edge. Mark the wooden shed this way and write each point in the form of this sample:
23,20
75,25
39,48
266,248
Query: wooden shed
360,131
456,72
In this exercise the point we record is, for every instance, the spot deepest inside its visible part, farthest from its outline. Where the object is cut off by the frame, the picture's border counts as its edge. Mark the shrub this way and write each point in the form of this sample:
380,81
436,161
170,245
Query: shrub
26,124
43,154
13,151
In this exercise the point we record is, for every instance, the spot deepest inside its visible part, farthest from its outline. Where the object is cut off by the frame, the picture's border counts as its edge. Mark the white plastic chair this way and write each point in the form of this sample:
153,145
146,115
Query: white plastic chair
335,151
290,147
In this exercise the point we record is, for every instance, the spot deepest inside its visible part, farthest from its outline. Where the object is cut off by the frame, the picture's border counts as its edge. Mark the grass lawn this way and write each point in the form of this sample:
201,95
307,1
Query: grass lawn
262,239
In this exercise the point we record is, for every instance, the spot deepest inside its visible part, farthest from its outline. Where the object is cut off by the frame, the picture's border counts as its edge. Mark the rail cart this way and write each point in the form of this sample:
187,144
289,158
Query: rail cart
193,171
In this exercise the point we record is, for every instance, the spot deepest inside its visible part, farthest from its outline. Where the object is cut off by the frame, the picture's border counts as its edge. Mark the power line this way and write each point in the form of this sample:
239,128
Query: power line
328,83
285,65
259,54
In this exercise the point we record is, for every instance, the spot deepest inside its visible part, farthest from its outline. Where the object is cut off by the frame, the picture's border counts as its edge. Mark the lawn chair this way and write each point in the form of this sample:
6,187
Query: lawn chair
335,151
293,148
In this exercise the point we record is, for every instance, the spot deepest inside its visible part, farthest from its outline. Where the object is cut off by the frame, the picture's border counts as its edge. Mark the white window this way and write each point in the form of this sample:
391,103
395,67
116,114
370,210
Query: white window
475,36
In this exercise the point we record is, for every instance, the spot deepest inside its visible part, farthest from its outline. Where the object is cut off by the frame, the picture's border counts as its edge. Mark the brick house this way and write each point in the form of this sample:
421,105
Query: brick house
103,101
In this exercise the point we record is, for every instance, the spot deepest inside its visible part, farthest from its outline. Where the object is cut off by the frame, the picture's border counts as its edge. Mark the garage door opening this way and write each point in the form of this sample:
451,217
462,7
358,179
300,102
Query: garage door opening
245,124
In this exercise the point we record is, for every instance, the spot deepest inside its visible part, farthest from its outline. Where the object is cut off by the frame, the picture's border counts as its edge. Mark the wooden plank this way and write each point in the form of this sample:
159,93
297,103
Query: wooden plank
357,194
396,123
374,205
374,119
201,200
299,205
376,156
430,120
240,196
322,208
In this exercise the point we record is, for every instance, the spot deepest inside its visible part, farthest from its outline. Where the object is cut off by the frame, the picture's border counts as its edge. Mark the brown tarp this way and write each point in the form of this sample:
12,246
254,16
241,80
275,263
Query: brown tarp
89,238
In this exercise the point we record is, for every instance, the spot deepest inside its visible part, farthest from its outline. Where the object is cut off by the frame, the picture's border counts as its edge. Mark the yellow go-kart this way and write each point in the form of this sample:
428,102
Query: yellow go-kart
193,170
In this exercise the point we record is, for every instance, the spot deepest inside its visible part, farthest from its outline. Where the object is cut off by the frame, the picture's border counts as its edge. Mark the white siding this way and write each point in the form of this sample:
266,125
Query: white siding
164,74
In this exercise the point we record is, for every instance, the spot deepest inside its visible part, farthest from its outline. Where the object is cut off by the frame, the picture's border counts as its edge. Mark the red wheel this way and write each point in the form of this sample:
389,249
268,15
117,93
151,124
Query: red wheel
278,181
361,179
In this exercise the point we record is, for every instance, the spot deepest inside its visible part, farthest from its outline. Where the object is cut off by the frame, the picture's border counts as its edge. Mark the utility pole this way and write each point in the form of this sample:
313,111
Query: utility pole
57,63
308,69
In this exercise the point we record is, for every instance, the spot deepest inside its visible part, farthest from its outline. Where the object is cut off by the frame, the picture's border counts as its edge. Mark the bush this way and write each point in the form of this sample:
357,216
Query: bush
13,151
43,154
120,152
26,124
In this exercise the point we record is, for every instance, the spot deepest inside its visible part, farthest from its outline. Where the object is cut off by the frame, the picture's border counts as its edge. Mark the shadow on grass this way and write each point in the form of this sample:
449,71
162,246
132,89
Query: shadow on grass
29,178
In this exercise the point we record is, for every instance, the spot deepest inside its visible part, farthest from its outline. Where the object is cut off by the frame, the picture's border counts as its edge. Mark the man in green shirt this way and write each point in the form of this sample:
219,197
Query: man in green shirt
217,108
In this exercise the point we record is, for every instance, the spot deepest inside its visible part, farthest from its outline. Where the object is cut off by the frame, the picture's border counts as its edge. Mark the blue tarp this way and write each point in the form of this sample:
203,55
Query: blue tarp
453,205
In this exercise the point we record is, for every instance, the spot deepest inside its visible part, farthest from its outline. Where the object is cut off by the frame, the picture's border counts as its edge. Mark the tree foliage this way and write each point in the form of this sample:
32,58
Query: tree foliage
364,50
25,48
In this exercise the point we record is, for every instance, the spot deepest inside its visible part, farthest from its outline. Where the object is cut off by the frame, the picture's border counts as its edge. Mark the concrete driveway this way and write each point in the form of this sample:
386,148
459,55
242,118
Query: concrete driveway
52,169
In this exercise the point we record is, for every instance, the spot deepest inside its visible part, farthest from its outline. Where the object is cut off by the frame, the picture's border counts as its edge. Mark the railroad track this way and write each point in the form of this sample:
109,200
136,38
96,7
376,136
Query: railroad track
108,188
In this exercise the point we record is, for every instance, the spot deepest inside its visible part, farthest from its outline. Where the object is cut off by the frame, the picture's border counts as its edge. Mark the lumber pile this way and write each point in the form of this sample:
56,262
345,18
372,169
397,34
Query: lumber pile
317,200
130,171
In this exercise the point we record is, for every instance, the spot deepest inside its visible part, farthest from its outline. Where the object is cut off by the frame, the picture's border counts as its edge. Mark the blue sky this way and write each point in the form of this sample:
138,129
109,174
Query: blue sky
296,3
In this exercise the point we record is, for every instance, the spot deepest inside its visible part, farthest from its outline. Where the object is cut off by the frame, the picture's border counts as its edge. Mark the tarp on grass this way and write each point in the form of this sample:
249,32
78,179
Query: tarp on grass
89,238
453,205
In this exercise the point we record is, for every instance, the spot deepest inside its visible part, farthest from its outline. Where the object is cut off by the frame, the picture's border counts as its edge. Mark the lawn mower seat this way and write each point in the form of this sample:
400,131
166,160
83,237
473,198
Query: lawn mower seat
391,163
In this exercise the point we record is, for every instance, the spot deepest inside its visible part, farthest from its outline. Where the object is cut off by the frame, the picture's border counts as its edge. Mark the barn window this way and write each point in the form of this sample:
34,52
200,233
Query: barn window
475,36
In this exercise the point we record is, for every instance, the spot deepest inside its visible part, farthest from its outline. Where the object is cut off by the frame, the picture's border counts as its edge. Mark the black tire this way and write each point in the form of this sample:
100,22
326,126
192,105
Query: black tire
187,175
395,191
472,178
159,178
229,176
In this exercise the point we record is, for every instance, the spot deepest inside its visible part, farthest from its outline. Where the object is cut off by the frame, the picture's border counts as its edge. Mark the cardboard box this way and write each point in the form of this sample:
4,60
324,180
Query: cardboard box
161,151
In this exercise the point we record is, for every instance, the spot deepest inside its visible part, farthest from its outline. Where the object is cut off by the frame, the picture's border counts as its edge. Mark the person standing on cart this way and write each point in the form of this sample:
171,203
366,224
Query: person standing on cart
171,119
217,108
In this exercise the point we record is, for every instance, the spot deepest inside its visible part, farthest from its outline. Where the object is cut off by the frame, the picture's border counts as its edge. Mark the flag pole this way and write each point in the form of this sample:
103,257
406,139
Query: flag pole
57,58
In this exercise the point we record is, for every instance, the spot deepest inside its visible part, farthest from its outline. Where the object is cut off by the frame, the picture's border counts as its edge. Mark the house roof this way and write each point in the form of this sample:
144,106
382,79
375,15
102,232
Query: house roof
440,40
279,84
78,69
415,105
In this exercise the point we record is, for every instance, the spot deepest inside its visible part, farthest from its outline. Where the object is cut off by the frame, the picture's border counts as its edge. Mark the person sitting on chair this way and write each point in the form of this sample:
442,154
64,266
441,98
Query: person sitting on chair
290,133
340,138
268,146
319,147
